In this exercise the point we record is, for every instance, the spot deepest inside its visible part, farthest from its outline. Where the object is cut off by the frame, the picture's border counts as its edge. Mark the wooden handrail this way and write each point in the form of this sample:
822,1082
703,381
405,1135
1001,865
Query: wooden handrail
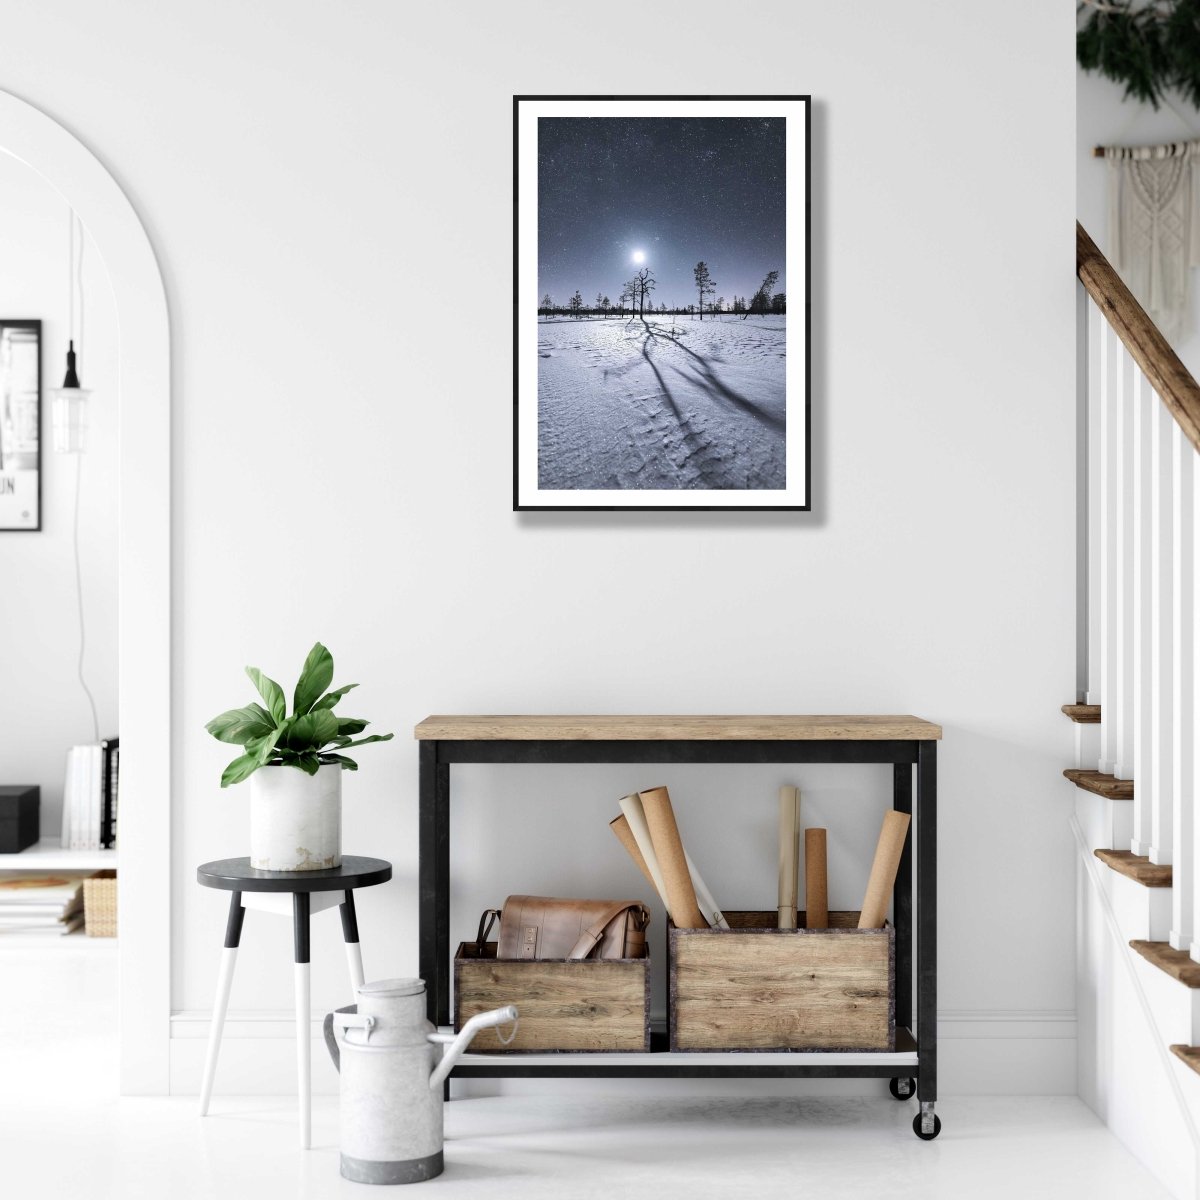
1146,345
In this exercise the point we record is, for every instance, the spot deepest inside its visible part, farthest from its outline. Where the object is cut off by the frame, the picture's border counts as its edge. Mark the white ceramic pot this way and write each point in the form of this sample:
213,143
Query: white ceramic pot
296,819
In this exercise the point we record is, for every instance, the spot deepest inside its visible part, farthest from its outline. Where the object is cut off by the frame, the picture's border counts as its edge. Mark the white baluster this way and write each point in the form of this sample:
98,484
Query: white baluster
1192,677
1182,725
1095,344
1109,523
1159,760
1126,411
1145,405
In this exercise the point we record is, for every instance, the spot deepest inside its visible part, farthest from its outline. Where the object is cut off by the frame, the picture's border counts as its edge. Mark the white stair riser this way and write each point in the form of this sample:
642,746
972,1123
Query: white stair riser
1087,746
1107,824
1176,1007
1143,913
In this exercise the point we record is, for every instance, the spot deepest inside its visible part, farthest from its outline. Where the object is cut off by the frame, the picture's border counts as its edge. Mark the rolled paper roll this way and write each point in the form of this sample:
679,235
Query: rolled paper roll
635,819
672,862
620,826
883,870
816,880
704,898
789,854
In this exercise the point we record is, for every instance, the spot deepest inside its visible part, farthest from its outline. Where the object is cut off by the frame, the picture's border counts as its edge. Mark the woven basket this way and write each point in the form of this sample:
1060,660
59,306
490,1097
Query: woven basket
100,904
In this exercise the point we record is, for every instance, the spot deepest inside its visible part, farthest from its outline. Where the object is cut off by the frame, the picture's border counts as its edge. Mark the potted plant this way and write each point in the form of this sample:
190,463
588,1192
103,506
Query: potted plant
294,764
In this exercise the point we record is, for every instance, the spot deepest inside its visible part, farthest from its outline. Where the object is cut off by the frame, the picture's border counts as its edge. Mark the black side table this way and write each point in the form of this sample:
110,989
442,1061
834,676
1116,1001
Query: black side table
311,891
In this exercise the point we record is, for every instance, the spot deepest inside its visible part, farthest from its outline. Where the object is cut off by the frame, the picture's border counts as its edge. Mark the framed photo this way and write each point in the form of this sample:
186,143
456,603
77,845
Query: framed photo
660,300
20,425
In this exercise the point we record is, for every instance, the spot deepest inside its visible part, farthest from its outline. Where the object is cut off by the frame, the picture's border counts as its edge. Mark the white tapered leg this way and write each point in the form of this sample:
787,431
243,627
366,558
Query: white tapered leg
354,960
220,1007
303,1052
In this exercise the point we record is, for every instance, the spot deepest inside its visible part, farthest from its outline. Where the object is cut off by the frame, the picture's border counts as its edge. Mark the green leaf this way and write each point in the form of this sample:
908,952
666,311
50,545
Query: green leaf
331,698
310,731
351,725
375,737
271,692
348,764
309,763
241,725
315,677
263,748
241,768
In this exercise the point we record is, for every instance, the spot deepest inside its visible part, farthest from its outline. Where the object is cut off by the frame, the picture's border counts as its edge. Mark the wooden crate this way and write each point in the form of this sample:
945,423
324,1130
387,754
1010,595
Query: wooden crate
756,987
593,1005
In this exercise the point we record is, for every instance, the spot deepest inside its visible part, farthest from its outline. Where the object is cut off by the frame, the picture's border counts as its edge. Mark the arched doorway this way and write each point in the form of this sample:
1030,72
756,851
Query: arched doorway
143,573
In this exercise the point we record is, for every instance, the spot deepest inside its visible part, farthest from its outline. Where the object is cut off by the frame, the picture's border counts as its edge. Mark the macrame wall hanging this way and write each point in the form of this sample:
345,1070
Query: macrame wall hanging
1154,226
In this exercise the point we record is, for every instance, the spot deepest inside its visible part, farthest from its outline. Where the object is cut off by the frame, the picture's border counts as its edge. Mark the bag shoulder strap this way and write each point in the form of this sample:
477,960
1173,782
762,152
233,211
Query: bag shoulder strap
485,927
595,931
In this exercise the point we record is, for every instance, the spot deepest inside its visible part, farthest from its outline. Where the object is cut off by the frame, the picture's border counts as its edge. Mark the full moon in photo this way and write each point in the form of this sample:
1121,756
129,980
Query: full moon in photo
639,256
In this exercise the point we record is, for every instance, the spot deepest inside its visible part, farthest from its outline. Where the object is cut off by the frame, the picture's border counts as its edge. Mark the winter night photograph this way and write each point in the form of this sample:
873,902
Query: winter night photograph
661,307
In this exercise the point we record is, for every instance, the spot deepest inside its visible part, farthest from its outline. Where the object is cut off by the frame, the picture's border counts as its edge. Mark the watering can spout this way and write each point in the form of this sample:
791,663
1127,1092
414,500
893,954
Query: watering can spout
454,1051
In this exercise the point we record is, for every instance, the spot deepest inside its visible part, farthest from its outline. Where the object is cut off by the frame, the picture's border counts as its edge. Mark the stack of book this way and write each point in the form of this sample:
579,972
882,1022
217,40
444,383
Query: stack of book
41,902
90,792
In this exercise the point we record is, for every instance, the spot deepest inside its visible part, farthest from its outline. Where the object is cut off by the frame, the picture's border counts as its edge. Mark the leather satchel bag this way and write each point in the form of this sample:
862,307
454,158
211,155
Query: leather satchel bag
544,927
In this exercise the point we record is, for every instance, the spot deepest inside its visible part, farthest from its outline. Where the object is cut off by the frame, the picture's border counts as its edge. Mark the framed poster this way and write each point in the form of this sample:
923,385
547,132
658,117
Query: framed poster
660,300
20,425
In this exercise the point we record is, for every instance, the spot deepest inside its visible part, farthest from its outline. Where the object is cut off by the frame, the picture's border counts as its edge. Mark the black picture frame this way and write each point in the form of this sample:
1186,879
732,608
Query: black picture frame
795,495
21,422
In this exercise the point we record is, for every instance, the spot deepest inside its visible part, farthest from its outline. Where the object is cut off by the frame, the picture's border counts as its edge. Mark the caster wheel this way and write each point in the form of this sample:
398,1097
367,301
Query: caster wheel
927,1137
902,1089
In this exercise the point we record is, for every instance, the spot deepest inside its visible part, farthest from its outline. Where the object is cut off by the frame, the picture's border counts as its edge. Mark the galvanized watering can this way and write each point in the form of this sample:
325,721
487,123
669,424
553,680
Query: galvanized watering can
392,1066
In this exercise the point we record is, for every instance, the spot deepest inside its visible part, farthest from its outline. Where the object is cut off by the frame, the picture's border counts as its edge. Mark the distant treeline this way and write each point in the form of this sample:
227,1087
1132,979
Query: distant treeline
637,292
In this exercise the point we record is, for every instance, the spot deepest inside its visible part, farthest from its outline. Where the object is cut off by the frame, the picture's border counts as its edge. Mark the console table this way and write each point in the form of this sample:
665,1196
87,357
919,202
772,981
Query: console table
900,742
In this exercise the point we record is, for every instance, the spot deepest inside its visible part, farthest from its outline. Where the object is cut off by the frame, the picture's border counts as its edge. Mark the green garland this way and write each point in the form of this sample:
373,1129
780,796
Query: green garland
1150,48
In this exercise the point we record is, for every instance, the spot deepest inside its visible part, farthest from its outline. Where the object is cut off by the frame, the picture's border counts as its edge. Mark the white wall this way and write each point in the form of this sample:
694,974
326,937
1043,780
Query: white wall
43,710
1104,118
343,453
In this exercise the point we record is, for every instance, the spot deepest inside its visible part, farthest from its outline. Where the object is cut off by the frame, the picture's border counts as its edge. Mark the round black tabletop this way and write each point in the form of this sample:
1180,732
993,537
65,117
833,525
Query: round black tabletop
237,875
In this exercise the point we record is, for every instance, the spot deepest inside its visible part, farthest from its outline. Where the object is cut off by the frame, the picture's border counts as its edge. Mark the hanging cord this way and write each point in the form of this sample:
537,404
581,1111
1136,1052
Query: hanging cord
79,280
87,691
75,274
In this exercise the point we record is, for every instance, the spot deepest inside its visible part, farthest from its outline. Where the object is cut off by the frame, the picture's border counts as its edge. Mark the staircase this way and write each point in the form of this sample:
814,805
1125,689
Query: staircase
1135,716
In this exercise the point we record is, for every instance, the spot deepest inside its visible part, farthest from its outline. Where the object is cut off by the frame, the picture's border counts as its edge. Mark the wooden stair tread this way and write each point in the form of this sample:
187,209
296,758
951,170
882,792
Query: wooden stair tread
1083,714
1176,963
1136,867
1108,786
1189,1055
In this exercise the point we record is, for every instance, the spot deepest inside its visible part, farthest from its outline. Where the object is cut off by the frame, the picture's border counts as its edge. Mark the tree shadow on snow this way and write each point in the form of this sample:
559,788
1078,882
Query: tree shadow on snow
710,381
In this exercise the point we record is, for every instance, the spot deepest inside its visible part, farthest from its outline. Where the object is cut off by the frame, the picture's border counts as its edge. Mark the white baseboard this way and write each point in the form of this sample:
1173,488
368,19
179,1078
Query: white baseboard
1018,1052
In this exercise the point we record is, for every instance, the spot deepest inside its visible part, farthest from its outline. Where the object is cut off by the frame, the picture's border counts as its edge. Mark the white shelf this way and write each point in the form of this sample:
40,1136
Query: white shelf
61,941
48,855
796,1058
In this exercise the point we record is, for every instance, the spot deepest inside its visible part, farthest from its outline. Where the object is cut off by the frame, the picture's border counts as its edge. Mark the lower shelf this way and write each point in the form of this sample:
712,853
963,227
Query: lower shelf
663,1063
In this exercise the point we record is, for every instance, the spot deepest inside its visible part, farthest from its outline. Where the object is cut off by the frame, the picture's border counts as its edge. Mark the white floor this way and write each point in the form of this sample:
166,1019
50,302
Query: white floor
63,1135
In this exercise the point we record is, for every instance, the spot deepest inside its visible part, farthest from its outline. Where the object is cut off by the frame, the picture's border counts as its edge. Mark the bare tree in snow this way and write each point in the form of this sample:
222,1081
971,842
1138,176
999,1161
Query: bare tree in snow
645,283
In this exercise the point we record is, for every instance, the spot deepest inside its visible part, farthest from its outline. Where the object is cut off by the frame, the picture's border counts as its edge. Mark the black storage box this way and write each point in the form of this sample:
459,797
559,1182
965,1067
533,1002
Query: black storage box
19,816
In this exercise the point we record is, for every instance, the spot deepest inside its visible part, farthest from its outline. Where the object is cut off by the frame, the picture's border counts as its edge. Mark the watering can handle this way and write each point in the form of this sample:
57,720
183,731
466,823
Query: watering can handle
331,1042
343,1017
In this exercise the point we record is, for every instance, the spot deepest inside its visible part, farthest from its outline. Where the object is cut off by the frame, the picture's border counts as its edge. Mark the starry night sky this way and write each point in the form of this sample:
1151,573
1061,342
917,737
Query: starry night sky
680,189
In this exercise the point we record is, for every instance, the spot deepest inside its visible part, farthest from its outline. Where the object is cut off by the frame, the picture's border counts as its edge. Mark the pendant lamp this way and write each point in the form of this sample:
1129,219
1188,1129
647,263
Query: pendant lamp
69,403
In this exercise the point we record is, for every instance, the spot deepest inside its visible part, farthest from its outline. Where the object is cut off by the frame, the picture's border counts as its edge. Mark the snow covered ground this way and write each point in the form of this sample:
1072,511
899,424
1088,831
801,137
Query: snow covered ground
665,402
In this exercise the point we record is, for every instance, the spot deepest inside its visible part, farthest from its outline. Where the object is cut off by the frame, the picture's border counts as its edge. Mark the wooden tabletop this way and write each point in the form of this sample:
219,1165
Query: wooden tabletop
857,728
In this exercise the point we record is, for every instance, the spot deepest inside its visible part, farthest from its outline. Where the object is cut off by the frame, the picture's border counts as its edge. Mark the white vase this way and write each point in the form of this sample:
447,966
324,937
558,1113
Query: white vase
296,819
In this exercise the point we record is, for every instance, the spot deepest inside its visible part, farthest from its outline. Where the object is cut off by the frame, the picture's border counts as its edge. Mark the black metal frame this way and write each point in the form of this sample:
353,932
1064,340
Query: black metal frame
436,758
807,316
35,325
